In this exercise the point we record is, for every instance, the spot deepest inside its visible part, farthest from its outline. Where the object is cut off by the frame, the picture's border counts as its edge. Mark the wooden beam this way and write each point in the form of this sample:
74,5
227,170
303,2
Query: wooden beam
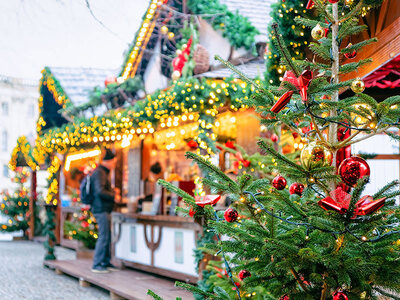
387,47
382,16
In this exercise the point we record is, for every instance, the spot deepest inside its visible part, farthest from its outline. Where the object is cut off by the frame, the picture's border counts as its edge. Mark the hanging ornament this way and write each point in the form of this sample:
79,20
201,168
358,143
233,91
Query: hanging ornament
282,101
231,215
230,144
274,138
296,188
284,297
333,1
176,75
191,212
357,86
171,35
193,144
318,32
351,54
340,295
295,134
310,4
316,155
352,169
164,29
279,182
244,274
207,200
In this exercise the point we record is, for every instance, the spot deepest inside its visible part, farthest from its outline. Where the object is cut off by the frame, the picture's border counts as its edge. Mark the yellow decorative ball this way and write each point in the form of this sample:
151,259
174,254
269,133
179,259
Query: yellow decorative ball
175,75
171,35
318,32
164,29
358,86
316,155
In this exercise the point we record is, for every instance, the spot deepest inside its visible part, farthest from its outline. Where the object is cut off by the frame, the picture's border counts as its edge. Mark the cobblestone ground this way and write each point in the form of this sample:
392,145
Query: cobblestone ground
22,275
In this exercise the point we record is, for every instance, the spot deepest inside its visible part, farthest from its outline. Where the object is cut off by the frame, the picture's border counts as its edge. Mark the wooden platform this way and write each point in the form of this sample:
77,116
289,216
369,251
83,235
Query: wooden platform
123,284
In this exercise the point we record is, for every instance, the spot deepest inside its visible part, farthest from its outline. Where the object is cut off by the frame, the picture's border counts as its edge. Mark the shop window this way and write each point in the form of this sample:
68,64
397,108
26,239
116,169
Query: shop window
4,108
5,170
4,141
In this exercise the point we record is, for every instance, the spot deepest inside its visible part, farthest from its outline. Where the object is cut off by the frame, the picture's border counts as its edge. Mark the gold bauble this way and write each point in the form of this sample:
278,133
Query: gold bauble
176,75
361,120
318,32
171,35
357,86
315,155
164,29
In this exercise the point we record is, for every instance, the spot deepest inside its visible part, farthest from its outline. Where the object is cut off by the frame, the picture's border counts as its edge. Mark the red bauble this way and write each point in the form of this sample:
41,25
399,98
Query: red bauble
193,144
296,188
274,138
353,169
84,224
231,215
352,54
279,182
284,297
340,295
244,274
333,1
295,134
230,144
191,212
110,79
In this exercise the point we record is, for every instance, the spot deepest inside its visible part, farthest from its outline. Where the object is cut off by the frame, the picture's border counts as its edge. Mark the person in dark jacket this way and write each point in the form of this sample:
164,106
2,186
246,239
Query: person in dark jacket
102,206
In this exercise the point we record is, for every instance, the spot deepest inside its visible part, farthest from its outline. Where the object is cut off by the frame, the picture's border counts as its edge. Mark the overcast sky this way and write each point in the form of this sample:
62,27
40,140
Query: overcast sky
38,33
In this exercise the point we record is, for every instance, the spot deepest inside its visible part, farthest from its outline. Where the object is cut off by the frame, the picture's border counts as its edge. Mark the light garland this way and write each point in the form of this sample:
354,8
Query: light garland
52,191
23,148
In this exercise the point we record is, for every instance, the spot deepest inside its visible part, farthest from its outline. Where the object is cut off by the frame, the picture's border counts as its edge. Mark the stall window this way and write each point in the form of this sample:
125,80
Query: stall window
4,108
4,141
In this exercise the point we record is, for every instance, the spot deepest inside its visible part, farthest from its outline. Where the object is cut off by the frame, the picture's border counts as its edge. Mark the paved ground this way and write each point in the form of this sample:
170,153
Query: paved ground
22,275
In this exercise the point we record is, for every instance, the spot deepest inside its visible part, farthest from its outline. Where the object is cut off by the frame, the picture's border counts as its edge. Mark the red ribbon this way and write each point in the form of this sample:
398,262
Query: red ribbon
179,62
339,201
240,159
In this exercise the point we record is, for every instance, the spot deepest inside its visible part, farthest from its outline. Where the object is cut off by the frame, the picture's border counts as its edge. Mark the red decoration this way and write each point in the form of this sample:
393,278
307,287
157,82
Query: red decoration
310,4
279,182
193,144
231,215
179,62
352,54
345,152
296,188
284,297
282,101
230,144
386,76
339,201
295,134
191,212
240,160
340,295
333,1
84,224
274,138
207,200
353,169
110,79
244,274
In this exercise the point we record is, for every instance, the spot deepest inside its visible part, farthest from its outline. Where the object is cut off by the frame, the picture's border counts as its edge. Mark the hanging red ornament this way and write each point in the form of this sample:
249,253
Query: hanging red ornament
193,144
279,182
351,54
333,1
230,144
295,134
310,4
207,200
340,295
284,297
367,205
274,138
191,212
110,79
352,169
244,274
296,188
231,215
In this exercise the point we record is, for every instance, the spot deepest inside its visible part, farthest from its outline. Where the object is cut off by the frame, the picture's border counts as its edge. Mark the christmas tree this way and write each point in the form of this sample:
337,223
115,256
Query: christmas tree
15,205
82,227
310,232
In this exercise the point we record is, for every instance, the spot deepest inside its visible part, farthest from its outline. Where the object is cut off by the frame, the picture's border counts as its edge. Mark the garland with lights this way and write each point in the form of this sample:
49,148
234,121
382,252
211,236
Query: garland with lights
16,205
21,154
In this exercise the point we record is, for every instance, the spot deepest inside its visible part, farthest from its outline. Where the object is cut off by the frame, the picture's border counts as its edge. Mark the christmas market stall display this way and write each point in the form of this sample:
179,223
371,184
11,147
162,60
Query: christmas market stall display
323,227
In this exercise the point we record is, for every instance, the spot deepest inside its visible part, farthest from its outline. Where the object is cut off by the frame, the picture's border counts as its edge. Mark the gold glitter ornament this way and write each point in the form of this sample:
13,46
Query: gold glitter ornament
316,155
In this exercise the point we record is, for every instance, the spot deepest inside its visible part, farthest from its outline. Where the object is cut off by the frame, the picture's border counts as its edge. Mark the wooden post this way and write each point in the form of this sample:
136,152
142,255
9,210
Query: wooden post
32,201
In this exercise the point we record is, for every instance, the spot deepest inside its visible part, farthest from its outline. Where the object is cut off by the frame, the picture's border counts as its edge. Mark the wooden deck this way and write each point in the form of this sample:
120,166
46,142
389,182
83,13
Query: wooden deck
123,284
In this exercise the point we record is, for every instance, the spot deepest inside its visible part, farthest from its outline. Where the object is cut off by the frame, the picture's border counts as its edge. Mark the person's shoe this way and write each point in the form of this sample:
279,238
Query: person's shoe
111,267
100,270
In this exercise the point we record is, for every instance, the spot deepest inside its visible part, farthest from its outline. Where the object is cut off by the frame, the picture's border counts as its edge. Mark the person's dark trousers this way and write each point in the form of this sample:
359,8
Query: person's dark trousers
102,252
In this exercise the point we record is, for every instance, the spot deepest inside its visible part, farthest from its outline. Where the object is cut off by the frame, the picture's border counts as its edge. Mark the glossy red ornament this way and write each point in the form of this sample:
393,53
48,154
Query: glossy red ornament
367,205
207,200
244,274
193,144
230,144
351,54
284,297
295,134
231,215
282,101
110,79
340,295
353,169
274,138
279,182
296,188
191,212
